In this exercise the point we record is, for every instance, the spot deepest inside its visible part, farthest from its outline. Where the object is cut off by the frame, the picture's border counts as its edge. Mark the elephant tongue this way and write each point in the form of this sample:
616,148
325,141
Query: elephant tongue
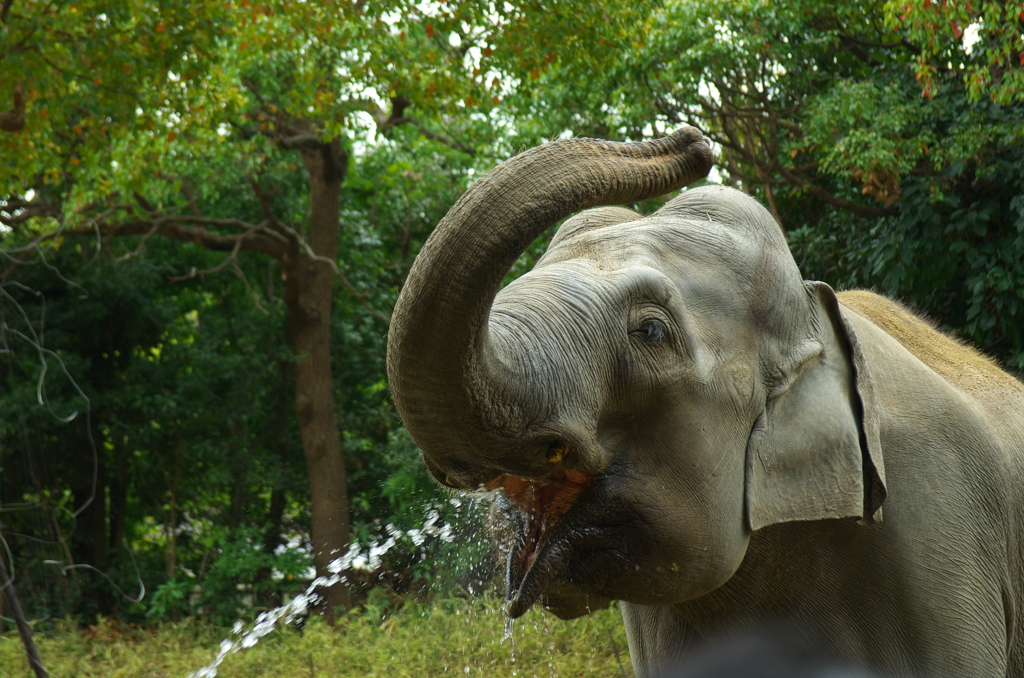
540,503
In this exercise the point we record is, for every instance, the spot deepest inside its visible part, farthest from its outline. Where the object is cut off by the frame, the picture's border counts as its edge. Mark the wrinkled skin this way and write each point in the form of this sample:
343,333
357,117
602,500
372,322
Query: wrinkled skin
676,420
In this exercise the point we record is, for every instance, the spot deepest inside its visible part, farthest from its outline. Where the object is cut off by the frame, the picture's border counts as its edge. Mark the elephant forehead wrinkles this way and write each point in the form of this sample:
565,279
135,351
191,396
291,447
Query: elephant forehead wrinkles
707,255
550,331
556,312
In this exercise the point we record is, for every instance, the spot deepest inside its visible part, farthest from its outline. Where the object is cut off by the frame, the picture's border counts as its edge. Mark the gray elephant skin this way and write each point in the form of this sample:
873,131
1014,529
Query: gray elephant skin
675,419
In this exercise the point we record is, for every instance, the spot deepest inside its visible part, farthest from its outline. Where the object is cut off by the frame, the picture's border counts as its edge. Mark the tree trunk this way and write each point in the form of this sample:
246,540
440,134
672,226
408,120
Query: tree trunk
308,296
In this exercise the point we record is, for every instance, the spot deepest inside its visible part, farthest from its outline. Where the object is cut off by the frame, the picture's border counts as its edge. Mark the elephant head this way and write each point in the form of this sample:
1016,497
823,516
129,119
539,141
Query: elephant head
651,392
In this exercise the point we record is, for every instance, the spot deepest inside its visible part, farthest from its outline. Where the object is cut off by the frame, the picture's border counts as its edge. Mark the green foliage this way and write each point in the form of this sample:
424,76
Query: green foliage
147,119
170,101
163,366
92,74
243,573
170,600
954,248
447,635
979,41
887,148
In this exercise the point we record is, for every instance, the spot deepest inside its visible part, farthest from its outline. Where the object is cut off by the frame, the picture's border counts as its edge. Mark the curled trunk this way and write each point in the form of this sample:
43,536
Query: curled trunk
447,386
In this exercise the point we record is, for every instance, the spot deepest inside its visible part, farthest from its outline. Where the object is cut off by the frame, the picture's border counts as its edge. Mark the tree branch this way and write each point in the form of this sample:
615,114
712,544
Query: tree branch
361,297
300,141
441,139
388,121
29,209
24,630
257,237
194,272
867,211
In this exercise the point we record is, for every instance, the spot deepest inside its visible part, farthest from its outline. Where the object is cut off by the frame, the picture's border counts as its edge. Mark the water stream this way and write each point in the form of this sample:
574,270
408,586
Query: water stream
510,637
358,557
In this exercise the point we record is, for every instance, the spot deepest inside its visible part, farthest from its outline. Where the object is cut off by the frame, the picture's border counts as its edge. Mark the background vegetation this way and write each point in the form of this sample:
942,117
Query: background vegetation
207,211
464,639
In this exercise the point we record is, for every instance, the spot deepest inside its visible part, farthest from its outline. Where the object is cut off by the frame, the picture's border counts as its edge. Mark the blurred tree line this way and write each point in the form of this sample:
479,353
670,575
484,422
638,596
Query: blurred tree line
207,210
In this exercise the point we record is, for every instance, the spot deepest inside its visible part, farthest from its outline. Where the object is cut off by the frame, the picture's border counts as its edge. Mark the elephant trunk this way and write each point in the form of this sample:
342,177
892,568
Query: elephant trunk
447,386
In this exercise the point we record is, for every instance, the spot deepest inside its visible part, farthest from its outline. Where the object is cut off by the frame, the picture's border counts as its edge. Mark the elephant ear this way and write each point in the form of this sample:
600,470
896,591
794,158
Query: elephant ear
814,452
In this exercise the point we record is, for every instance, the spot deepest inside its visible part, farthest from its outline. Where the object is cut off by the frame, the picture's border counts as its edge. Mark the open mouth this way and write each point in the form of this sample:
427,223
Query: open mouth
535,508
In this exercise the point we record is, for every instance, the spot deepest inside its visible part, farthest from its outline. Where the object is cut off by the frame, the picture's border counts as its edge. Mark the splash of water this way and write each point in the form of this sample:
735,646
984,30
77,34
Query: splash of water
509,629
356,558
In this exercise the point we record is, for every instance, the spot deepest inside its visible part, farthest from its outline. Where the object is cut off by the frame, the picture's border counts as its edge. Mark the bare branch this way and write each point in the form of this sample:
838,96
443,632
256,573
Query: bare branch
388,121
138,250
361,296
194,272
257,237
450,143
8,591
186,190
145,204
867,211
264,198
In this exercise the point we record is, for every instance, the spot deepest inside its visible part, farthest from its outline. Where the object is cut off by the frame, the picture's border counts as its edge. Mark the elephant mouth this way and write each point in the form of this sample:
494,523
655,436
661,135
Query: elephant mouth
536,509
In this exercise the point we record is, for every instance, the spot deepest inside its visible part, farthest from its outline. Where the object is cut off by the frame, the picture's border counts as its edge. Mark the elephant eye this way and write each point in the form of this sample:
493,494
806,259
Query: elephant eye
651,331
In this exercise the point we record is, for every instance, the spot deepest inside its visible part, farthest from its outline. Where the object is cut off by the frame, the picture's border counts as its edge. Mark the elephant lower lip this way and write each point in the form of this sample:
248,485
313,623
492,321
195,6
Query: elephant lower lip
534,558
535,579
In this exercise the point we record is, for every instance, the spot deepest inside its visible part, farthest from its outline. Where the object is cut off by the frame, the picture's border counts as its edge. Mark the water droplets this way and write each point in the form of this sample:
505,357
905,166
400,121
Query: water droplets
265,623
358,557
509,635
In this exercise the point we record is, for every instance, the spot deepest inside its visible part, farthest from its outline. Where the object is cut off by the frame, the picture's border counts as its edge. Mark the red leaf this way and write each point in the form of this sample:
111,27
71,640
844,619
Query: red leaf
430,30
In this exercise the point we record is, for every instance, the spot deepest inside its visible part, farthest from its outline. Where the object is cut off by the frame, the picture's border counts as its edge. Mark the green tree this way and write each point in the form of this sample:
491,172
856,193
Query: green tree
989,33
875,134
231,127
171,454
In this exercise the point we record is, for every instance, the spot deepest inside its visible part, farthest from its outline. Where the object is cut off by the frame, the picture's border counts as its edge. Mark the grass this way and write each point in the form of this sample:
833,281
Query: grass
451,637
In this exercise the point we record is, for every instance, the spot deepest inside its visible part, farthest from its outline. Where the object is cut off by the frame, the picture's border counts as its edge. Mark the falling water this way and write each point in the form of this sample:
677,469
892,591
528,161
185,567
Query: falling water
509,624
357,558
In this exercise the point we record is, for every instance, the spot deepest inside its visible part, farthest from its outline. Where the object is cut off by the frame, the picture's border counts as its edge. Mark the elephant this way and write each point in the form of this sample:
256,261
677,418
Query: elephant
673,418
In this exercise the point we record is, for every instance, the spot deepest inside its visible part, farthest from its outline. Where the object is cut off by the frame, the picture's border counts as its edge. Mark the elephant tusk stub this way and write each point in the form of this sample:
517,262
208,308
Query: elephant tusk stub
534,507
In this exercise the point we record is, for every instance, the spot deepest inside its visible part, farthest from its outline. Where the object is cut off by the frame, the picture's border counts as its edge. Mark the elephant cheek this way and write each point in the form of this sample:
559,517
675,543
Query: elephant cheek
692,550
